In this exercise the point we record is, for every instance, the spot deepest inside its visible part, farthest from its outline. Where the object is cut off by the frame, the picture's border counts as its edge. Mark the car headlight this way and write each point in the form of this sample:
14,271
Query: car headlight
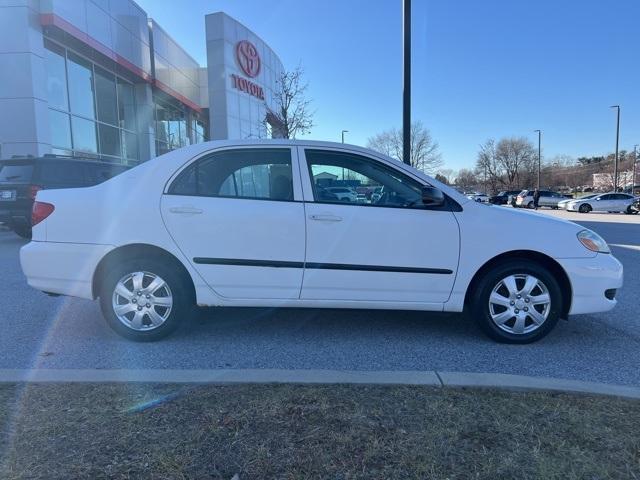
592,241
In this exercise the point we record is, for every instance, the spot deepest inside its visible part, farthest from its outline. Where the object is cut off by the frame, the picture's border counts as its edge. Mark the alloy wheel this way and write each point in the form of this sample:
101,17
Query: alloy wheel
142,301
519,304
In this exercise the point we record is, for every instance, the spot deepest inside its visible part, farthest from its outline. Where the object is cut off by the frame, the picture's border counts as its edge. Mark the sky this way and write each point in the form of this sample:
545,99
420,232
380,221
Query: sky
481,68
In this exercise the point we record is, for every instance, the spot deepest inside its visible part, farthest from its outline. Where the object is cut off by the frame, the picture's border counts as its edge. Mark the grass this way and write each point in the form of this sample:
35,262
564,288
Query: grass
123,431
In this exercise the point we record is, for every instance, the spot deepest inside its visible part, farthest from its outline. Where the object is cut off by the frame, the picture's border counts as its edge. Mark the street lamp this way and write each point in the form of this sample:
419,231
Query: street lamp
635,162
539,154
406,91
343,132
615,166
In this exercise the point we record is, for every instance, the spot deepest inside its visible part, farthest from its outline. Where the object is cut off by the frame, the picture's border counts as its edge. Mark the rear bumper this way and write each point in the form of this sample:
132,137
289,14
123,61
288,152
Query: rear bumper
62,268
590,279
15,217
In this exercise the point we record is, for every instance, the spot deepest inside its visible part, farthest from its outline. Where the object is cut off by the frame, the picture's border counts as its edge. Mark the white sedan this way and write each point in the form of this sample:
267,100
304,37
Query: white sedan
607,202
246,223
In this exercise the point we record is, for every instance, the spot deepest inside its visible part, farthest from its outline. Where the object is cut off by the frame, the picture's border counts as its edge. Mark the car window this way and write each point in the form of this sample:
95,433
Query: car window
53,172
604,197
15,173
327,168
101,173
250,173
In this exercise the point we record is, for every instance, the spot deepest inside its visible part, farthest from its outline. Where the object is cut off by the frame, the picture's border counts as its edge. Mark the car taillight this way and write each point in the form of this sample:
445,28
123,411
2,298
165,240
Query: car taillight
40,211
33,191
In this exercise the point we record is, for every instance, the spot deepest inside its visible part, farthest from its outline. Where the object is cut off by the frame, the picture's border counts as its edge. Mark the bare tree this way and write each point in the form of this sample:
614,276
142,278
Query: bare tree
467,179
292,115
448,174
488,167
517,158
424,150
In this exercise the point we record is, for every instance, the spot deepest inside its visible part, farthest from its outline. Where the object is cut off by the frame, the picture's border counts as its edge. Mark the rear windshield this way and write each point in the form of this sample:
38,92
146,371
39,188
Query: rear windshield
15,173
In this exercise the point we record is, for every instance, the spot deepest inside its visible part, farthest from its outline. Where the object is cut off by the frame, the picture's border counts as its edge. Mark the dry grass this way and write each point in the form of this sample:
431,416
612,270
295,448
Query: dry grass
124,431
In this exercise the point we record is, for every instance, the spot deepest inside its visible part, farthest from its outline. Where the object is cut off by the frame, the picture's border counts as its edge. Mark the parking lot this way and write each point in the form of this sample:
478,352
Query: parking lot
46,332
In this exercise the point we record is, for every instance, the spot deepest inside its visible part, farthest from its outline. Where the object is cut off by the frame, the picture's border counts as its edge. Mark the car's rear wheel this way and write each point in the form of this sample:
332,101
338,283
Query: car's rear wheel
586,208
518,301
144,300
530,205
629,210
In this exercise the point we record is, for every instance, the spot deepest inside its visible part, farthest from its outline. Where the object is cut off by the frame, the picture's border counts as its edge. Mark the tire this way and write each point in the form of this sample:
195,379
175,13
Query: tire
530,205
494,281
585,208
629,210
24,232
168,318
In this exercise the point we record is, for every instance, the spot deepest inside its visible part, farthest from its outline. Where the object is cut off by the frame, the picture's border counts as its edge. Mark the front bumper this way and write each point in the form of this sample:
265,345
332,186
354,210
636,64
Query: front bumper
62,268
590,279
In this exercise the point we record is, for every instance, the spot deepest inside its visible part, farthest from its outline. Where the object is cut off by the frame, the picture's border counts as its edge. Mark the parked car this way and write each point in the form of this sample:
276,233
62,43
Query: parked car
478,197
547,199
502,198
563,203
176,232
344,194
22,178
606,202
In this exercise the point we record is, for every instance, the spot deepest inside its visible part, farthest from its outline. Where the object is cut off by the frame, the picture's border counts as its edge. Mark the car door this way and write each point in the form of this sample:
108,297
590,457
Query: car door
601,203
237,215
391,250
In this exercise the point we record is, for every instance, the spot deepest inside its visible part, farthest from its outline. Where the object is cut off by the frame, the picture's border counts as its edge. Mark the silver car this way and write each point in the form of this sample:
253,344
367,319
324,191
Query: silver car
547,199
563,203
606,202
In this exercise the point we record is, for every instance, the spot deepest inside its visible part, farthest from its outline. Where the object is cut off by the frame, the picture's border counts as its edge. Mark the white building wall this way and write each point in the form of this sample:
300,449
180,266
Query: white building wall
235,113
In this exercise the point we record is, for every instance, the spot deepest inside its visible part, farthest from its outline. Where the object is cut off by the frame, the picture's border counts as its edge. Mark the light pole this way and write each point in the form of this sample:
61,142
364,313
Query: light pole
406,91
615,165
633,170
343,132
539,154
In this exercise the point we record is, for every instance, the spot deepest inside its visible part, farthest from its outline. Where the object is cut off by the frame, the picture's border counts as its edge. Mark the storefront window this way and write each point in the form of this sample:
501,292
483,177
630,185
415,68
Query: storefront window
106,97
84,135
126,106
60,129
80,86
109,140
56,77
129,144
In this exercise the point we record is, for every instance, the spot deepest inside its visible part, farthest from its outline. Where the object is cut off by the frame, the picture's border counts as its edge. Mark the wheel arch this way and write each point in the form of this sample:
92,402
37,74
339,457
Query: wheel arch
546,261
136,251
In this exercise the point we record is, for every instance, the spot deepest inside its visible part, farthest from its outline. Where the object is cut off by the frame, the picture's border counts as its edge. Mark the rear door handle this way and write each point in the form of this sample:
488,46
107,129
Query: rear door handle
326,218
186,210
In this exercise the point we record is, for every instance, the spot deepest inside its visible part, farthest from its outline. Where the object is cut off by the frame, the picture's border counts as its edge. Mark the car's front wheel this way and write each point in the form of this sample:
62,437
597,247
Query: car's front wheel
144,300
586,208
518,301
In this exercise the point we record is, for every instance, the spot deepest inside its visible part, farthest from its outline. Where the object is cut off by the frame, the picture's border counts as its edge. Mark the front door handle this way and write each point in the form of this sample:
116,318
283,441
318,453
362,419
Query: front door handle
326,218
186,210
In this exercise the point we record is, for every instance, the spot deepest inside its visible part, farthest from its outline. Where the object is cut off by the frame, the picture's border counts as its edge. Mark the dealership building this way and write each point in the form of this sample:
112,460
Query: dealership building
101,79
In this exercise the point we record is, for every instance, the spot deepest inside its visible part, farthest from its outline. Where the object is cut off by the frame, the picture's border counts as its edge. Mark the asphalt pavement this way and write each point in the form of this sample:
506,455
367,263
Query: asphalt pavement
45,332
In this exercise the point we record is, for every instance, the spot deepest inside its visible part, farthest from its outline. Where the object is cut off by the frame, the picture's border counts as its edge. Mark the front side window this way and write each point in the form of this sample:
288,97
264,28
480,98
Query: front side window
378,184
252,173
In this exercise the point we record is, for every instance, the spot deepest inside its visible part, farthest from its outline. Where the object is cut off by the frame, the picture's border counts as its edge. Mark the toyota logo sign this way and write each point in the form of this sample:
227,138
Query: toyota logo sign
248,58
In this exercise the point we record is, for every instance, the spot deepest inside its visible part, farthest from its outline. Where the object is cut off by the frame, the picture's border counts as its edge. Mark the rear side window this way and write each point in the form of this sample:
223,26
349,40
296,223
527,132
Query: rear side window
101,173
15,173
264,174
61,173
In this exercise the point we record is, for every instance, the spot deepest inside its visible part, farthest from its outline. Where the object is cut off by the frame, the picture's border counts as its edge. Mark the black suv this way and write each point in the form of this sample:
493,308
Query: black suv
22,178
502,198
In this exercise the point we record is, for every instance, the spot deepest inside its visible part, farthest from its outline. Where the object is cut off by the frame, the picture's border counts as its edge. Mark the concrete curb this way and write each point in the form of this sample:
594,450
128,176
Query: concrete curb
231,376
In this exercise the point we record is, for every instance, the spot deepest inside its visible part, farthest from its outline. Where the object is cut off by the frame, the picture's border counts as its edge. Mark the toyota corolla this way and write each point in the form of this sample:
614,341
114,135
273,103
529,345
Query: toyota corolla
249,223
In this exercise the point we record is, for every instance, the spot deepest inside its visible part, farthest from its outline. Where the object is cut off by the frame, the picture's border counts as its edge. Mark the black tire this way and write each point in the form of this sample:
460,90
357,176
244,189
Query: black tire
181,309
530,205
629,210
24,232
483,289
585,208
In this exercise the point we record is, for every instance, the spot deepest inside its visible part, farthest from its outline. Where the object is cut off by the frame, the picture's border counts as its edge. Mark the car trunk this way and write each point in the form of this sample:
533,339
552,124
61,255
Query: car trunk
16,191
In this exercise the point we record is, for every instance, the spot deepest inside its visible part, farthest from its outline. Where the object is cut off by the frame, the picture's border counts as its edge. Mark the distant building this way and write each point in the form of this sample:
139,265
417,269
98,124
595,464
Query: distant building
604,181
101,79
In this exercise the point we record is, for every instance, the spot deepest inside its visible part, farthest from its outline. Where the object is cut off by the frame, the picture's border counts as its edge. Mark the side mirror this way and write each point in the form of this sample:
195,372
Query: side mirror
432,197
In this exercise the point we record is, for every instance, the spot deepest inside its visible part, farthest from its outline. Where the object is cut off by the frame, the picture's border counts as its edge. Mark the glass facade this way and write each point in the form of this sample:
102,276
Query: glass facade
91,110
176,126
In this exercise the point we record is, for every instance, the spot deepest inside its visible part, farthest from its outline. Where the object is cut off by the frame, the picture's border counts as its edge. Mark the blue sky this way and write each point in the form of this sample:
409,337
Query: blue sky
481,68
